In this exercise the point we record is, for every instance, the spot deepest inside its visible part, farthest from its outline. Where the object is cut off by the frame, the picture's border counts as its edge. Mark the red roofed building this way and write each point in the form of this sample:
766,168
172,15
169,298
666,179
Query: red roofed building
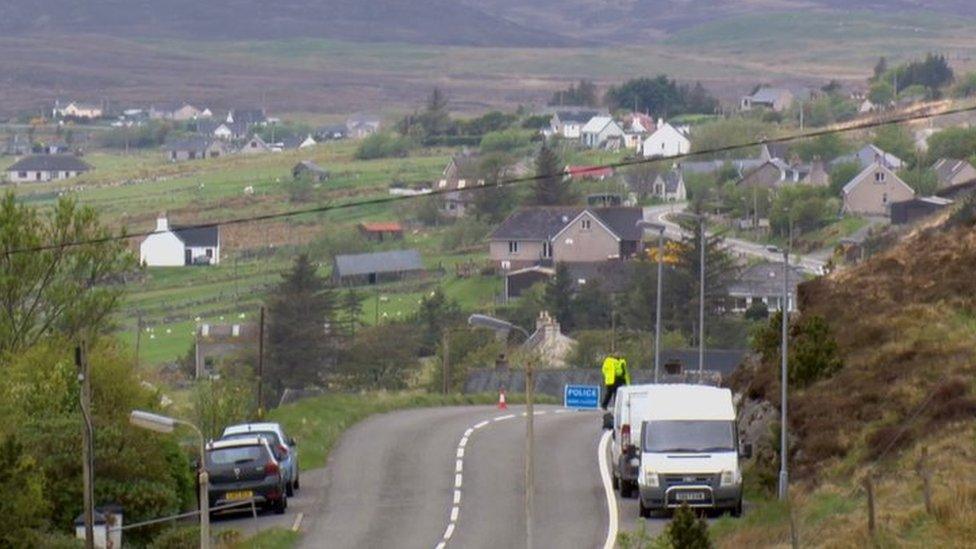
589,172
380,231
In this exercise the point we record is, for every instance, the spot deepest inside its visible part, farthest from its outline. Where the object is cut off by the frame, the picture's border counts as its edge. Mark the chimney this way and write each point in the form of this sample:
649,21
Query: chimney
162,224
660,122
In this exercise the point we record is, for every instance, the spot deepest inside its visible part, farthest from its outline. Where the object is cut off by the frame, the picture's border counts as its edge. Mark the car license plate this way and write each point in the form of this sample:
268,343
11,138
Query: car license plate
689,496
237,496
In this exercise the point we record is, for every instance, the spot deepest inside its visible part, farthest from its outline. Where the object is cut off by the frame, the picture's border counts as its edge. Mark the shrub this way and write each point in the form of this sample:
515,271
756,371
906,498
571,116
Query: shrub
505,141
177,538
384,145
686,531
757,311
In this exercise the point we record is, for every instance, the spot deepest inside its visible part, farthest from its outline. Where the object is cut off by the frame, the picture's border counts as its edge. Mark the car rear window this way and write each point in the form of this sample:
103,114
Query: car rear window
270,436
237,454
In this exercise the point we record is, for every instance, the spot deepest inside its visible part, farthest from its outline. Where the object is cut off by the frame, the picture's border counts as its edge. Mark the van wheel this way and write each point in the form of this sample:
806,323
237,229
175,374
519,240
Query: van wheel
296,482
289,489
644,512
737,510
626,490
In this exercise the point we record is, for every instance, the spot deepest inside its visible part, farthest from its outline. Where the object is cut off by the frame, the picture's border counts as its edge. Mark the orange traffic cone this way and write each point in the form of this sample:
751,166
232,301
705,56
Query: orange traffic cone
501,400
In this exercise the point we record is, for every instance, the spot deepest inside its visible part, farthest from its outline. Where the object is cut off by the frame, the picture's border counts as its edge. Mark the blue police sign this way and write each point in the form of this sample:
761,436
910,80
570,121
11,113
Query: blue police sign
582,397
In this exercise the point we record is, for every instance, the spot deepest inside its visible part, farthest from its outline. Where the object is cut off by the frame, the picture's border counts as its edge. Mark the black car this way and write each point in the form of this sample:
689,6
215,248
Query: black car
245,469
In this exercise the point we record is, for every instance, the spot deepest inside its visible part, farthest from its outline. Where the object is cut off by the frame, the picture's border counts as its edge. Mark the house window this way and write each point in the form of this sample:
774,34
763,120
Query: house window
585,224
210,253
884,198
22,175
879,177
546,250
193,155
214,154
513,246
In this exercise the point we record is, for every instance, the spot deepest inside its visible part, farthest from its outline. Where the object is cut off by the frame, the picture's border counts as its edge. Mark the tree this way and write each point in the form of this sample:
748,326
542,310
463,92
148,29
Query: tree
592,307
559,298
720,272
686,531
880,68
552,188
804,207
966,86
382,356
435,118
493,202
842,174
813,350
881,93
435,314
21,494
384,145
923,180
896,140
729,132
957,143
350,310
301,310
662,96
583,95
69,288
825,147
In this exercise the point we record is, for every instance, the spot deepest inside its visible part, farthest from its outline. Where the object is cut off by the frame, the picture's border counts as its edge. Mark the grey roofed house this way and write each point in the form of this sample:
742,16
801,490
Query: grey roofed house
198,237
192,143
50,163
950,171
542,223
868,155
313,170
335,131
741,165
764,282
369,267
535,223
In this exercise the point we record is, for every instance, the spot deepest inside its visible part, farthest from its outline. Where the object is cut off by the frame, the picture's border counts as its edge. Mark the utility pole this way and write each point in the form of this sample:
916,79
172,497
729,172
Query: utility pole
87,463
784,309
701,307
261,363
657,323
529,450
138,336
446,350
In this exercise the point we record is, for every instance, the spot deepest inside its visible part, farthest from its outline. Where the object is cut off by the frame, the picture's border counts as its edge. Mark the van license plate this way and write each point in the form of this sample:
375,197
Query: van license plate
689,496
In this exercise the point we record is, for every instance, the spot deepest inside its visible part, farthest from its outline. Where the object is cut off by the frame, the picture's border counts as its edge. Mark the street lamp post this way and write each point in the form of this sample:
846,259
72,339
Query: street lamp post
701,306
164,424
784,372
497,324
660,276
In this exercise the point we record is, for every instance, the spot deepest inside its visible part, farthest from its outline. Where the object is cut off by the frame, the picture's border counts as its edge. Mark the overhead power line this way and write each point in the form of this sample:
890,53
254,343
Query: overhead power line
867,125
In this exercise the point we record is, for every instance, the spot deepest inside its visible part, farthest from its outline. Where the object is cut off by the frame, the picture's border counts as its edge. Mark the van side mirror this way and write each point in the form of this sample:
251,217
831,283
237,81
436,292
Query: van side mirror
608,421
292,442
746,451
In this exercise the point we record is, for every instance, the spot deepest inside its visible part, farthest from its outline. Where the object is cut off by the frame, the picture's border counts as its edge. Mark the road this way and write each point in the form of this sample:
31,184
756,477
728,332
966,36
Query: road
391,482
811,264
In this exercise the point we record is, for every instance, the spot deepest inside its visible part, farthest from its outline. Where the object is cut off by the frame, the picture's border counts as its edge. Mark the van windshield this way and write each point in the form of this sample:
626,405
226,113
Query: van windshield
689,436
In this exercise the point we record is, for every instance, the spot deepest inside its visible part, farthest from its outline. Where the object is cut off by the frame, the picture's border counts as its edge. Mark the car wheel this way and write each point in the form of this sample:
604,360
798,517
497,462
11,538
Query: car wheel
289,489
296,482
281,505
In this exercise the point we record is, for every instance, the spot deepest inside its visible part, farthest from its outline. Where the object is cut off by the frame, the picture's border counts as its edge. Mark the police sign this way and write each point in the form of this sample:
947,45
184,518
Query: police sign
582,397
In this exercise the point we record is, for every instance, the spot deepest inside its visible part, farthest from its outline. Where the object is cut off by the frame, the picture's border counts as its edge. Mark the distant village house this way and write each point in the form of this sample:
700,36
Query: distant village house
179,246
46,167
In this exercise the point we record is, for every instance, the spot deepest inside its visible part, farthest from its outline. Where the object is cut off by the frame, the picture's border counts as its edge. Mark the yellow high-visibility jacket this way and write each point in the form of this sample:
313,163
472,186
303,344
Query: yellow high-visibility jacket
623,371
609,370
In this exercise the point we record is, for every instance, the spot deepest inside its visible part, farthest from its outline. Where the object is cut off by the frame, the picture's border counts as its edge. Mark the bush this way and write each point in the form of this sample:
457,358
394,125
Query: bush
463,234
814,354
757,311
505,141
384,145
178,537
686,531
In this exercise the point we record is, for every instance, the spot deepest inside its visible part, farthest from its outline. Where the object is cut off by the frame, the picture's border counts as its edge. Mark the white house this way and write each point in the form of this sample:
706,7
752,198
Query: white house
601,131
77,110
569,123
46,167
666,141
777,99
179,246
670,186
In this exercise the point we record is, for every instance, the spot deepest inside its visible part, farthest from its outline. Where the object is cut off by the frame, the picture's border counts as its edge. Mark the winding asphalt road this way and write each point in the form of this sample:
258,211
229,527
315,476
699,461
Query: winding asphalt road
396,479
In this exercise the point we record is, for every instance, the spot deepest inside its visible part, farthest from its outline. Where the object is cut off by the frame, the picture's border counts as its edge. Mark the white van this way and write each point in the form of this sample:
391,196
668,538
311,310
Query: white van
630,408
690,450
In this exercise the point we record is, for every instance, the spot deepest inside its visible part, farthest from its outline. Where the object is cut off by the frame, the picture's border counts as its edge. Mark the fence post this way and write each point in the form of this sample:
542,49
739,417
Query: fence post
869,487
926,475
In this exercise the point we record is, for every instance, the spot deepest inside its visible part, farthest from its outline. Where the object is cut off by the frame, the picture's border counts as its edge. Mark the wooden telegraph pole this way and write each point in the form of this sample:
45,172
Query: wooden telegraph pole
261,364
446,349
